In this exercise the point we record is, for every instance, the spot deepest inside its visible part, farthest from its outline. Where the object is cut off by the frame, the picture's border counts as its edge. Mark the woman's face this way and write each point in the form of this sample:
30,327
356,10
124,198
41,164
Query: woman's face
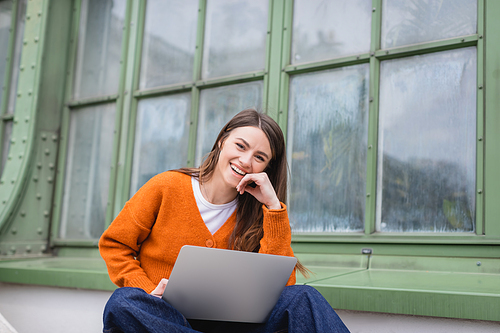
246,150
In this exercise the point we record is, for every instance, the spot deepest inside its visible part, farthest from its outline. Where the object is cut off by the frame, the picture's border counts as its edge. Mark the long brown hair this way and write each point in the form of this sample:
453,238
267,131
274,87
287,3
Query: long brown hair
249,229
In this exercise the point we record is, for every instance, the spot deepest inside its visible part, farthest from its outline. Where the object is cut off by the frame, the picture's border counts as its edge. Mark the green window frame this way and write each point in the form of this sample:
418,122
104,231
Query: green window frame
276,82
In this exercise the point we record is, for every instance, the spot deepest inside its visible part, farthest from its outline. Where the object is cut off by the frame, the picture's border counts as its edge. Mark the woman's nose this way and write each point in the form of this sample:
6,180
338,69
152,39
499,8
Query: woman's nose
245,160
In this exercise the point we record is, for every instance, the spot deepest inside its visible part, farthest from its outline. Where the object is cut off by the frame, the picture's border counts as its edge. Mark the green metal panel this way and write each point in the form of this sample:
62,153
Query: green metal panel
480,121
27,232
15,173
492,119
401,249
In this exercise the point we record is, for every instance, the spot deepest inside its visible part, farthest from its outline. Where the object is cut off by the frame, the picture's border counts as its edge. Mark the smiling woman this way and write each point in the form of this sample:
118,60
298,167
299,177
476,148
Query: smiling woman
214,205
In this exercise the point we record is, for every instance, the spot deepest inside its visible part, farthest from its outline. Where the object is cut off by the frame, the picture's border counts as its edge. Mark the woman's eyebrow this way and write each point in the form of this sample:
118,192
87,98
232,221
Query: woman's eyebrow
248,145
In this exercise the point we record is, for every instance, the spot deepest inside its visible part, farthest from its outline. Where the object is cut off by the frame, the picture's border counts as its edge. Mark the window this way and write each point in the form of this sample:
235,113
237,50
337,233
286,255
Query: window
378,100
382,116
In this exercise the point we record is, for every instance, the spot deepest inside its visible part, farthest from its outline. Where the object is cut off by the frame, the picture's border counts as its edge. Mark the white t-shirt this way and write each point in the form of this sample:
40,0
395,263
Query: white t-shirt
214,216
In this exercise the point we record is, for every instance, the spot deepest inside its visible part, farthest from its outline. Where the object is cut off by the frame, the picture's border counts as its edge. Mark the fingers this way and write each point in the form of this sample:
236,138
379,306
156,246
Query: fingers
160,288
263,190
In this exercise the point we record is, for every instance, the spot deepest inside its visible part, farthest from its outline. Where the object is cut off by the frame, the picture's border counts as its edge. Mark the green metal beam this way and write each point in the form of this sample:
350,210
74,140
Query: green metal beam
492,120
15,173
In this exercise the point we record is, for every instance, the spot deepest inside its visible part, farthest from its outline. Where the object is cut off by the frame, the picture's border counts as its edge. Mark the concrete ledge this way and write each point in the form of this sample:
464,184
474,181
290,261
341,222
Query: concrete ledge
84,273
426,286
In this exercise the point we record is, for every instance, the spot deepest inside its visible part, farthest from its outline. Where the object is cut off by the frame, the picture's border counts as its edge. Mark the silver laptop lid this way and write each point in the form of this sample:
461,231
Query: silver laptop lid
225,285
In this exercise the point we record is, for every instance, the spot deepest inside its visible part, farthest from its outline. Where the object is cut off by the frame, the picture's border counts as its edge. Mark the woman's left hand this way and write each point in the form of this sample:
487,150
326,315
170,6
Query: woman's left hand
263,191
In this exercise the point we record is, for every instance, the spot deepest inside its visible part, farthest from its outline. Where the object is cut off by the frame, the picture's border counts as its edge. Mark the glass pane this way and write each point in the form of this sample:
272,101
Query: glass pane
5,22
16,60
427,143
169,42
235,37
161,137
327,139
330,29
7,128
218,106
88,163
97,69
417,21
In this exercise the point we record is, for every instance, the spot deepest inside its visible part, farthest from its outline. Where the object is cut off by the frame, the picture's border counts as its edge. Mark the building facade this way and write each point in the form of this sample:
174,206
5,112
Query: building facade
391,111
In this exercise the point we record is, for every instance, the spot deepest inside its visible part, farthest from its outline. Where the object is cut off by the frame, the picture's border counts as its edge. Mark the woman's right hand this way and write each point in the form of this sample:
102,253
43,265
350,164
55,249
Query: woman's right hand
160,288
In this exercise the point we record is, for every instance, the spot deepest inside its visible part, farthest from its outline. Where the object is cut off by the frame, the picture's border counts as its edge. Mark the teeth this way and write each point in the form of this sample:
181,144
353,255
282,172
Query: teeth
238,171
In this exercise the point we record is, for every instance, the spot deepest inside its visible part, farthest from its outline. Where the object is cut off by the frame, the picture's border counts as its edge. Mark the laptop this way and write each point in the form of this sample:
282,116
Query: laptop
226,285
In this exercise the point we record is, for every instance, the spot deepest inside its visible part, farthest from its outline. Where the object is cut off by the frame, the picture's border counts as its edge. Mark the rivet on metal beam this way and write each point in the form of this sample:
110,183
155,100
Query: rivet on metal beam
54,138
49,180
39,231
51,166
23,213
480,138
47,151
39,165
480,87
28,248
44,137
14,231
374,9
35,178
38,196
46,213
480,191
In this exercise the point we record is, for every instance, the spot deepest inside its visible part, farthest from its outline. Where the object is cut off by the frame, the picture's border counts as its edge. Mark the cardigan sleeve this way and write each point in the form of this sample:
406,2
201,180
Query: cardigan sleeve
120,243
277,237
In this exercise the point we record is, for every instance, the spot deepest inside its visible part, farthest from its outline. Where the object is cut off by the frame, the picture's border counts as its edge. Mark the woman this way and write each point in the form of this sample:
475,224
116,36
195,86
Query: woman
234,200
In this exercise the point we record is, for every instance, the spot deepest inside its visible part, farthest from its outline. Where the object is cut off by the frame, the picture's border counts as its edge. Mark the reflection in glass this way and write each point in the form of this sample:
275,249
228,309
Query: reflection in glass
169,42
161,137
327,139
88,163
218,106
5,22
427,143
7,133
330,29
235,37
416,21
97,69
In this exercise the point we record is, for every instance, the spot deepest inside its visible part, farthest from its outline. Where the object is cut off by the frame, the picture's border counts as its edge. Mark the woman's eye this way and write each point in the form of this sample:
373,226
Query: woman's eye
239,145
260,158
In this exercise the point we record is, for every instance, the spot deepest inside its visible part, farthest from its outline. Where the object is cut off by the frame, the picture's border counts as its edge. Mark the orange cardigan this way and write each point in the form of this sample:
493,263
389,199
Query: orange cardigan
141,245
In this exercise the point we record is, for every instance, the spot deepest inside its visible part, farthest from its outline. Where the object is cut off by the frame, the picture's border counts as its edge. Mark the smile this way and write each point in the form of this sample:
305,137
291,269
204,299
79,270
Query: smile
238,171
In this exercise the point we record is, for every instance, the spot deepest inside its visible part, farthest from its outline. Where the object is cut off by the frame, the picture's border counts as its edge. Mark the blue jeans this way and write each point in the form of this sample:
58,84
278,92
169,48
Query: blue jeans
299,309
